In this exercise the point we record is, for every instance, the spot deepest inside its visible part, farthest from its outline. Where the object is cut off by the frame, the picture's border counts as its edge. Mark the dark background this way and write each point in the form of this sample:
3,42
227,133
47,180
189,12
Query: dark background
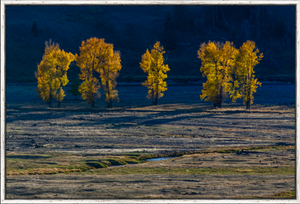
133,29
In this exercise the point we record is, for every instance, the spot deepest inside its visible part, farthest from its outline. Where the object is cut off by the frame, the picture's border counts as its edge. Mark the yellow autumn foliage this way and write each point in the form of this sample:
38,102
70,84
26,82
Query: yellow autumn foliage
52,73
245,83
97,58
217,60
153,64
108,73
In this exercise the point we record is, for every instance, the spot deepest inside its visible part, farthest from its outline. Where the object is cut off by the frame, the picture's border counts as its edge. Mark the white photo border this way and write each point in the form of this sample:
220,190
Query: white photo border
4,3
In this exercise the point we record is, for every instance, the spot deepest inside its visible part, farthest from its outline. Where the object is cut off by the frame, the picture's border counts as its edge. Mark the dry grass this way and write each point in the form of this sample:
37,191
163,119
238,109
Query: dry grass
220,161
244,170
42,171
216,150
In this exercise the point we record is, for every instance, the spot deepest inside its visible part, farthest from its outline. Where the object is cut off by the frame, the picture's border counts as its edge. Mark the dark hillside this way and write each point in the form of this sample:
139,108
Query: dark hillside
133,29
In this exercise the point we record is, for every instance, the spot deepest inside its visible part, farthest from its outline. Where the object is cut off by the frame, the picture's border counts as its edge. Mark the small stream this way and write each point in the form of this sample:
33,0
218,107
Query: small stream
160,159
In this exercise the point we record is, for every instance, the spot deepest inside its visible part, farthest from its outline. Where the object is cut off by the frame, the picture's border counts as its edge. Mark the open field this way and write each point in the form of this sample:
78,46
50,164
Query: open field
79,152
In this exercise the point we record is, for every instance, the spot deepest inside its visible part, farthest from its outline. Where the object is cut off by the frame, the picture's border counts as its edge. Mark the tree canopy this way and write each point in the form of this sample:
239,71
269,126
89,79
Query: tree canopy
153,64
109,72
245,83
217,60
97,59
52,73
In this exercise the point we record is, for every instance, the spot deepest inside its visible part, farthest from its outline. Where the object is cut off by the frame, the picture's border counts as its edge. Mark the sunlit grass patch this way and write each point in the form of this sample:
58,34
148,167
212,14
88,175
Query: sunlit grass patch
132,154
281,195
244,170
97,164
42,166
29,164
223,150
42,171
286,194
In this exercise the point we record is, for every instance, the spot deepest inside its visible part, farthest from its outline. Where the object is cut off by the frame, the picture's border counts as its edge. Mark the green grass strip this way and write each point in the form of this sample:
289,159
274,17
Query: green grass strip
281,195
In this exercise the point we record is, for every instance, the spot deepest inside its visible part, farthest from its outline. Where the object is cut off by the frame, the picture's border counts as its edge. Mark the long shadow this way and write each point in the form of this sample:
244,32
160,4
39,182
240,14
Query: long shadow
152,121
239,125
282,118
26,156
29,117
136,120
52,113
56,109
243,111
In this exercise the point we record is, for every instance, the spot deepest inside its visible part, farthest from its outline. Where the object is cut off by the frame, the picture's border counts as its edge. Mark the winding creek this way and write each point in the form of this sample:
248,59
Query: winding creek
160,159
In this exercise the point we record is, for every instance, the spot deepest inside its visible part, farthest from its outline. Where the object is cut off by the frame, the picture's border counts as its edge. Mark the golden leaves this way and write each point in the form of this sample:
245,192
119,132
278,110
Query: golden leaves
52,72
217,59
153,64
228,70
96,56
247,59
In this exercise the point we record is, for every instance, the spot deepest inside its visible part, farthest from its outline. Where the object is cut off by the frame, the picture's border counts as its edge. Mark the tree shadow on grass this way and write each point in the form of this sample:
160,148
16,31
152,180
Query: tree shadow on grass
138,115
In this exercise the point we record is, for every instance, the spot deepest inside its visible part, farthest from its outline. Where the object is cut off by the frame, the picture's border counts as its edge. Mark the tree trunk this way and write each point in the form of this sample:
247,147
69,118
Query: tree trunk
155,102
93,104
220,104
248,105
220,97
248,102
50,98
58,104
109,104
156,97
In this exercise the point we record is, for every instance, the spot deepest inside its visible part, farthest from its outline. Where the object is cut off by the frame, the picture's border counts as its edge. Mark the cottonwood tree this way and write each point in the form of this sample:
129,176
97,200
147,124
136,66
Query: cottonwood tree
245,83
52,73
89,62
217,60
109,71
98,58
153,64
